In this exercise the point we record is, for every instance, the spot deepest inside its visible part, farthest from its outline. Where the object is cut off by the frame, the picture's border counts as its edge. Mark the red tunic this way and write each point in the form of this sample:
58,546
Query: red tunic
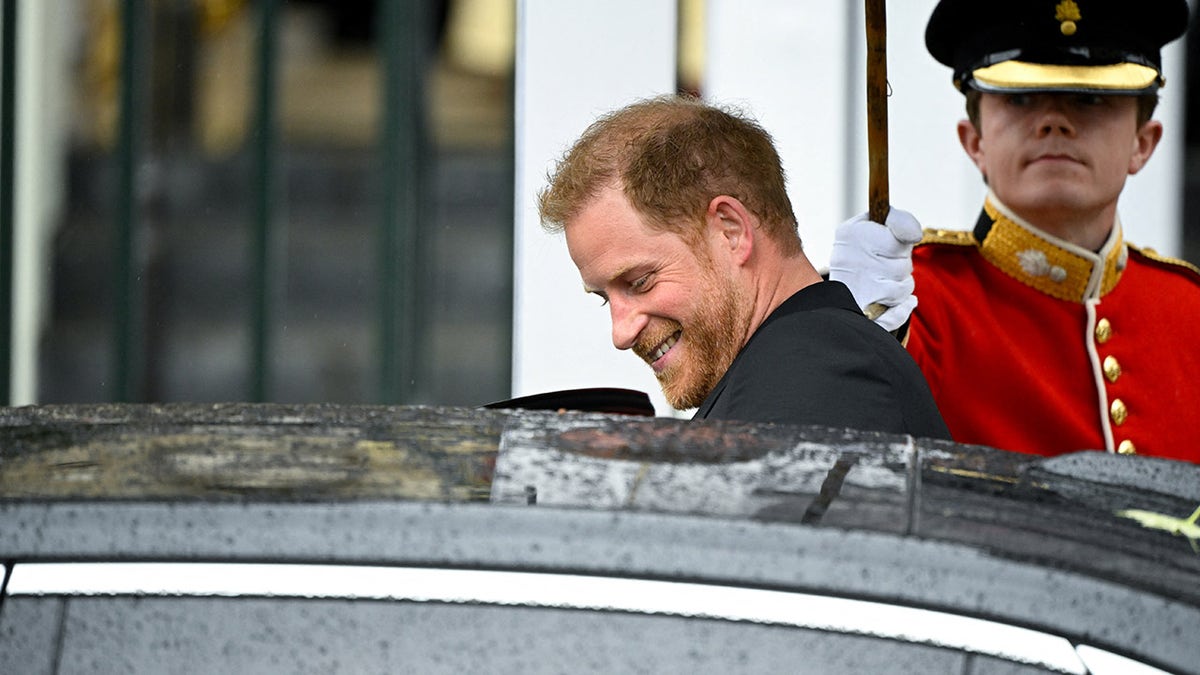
1032,344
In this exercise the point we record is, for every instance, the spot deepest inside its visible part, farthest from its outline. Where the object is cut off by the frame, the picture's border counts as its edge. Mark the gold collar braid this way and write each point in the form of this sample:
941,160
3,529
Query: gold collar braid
1055,267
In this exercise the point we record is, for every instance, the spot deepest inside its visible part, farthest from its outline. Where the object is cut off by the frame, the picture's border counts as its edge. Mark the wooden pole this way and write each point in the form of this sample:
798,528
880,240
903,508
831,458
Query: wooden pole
877,123
877,179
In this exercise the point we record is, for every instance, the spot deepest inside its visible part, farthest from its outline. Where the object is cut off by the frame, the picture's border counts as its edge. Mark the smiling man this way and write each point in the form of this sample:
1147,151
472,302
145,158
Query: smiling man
1041,329
677,216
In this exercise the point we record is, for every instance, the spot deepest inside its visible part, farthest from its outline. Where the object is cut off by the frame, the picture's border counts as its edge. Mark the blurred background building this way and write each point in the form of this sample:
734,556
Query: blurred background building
327,200
197,207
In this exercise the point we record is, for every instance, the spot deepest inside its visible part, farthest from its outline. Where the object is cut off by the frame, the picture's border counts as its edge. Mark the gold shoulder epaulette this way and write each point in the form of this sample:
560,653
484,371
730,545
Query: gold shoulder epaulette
951,237
1166,260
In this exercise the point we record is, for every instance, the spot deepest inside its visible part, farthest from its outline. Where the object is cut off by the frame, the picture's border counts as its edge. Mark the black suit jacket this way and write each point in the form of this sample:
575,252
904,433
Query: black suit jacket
817,360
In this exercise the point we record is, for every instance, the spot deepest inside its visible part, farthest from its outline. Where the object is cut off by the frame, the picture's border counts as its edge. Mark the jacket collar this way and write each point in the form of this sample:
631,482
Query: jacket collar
1053,266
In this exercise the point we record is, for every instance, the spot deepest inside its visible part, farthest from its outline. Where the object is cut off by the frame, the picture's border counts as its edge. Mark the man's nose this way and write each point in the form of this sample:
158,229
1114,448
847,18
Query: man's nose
627,322
1053,118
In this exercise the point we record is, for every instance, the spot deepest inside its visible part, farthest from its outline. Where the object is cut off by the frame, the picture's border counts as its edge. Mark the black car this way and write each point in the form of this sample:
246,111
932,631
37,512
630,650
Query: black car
371,539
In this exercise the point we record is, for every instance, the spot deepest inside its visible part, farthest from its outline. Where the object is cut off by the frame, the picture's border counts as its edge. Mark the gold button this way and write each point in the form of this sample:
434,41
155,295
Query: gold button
1118,411
1067,27
1112,368
1103,331
1126,448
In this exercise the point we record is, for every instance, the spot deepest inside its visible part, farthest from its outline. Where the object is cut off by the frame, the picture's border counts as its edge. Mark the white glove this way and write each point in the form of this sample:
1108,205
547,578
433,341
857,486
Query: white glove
875,262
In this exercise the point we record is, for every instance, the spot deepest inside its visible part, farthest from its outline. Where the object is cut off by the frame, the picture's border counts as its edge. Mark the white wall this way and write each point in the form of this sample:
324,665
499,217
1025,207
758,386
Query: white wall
796,66
786,63
575,61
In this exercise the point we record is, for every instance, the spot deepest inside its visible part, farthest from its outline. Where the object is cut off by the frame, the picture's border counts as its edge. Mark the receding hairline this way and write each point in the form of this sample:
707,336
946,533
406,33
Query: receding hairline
602,140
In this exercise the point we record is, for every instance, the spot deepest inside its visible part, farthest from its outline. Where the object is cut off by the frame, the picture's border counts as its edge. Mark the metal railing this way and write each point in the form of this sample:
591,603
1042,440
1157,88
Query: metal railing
264,261
128,344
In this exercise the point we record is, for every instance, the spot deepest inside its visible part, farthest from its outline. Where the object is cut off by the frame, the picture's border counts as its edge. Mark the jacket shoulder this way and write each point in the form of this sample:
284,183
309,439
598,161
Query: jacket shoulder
1181,267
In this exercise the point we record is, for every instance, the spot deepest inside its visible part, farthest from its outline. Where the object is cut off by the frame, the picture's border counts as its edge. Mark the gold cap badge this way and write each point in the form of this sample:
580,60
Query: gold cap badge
1067,13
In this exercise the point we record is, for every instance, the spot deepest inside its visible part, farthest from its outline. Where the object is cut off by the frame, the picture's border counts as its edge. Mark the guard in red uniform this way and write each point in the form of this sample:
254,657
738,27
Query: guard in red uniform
1040,329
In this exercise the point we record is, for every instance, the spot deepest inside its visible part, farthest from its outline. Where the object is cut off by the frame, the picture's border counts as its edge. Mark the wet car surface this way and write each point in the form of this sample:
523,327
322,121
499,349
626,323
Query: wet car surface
268,538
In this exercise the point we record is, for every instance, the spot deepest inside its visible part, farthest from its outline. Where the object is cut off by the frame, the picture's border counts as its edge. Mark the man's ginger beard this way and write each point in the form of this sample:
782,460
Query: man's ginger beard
707,345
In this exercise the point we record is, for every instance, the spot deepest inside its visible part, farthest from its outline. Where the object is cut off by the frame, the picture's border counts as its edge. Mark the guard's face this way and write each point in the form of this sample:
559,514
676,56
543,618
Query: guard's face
1059,158
668,303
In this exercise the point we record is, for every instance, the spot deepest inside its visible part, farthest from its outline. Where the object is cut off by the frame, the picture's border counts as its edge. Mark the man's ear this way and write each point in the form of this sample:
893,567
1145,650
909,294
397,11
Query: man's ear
971,141
1144,142
731,227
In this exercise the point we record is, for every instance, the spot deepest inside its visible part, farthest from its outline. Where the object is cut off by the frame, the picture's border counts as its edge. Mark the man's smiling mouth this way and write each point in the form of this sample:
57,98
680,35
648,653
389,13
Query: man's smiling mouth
664,348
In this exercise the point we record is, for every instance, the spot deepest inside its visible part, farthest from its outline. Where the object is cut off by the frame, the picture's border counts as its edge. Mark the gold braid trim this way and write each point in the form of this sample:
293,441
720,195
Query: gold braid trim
1166,260
1046,263
951,237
